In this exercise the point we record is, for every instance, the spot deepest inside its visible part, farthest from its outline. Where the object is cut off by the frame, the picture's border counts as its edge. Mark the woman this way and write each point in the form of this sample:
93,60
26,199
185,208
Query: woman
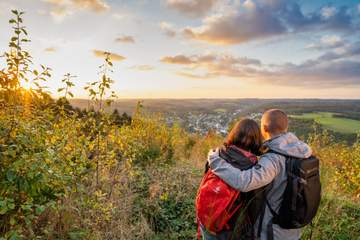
218,206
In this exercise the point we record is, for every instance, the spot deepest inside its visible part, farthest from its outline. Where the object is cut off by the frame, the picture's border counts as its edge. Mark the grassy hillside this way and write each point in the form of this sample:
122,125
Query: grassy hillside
329,121
141,184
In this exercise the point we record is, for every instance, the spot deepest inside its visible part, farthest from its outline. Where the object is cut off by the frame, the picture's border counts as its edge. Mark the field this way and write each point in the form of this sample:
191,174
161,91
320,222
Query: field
220,110
329,121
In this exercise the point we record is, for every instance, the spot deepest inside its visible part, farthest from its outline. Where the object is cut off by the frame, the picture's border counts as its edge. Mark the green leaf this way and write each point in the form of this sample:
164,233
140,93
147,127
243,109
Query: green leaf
24,31
14,235
12,153
28,221
11,44
39,210
3,207
78,234
10,176
26,207
11,205
12,221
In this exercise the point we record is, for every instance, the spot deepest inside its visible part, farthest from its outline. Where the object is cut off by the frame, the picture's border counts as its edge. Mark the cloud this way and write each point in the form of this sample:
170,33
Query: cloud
337,67
208,59
213,65
62,8
326,74
118,16
348,51
168,29
142,67
113,56
193,76
178,59
249,4
237,26
59,13
327,42
125,39
331,40
328,12
261,19
50,49
93,5
192,8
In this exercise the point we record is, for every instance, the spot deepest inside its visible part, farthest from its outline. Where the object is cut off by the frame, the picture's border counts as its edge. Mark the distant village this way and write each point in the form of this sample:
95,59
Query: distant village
202,123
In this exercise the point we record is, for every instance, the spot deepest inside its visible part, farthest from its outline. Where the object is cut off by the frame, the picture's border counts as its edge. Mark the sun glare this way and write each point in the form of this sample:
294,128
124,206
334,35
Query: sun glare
26,85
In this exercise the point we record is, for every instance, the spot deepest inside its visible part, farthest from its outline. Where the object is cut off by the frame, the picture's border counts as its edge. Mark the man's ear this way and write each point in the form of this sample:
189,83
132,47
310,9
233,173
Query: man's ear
266,128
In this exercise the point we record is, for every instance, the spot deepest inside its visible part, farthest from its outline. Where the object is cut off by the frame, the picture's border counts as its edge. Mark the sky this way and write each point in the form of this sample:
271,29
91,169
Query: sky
197,48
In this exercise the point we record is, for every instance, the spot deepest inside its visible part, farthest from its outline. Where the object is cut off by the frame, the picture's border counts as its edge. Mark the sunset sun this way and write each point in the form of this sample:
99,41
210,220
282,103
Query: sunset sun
26,85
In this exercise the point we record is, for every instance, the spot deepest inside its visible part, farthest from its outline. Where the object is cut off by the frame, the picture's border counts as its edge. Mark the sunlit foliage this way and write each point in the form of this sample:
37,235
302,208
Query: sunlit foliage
67,173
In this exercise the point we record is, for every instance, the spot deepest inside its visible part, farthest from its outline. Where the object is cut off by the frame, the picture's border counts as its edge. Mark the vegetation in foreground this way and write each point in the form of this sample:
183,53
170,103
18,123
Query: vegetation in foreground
68,174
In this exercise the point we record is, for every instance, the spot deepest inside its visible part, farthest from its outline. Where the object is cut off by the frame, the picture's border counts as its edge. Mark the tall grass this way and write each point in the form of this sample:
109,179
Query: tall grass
67,174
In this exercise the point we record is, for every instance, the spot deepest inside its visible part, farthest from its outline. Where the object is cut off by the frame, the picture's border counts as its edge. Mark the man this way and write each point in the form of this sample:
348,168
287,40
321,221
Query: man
270,168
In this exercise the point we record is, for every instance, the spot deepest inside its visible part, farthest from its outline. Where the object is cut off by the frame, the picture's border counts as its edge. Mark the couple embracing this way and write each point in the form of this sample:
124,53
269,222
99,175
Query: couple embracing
262,184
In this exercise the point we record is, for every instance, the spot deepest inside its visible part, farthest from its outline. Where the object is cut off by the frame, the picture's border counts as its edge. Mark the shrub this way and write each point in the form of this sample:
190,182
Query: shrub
32,175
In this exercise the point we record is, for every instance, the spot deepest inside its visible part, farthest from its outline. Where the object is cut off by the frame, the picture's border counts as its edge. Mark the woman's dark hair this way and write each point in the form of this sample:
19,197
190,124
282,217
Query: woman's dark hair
246,135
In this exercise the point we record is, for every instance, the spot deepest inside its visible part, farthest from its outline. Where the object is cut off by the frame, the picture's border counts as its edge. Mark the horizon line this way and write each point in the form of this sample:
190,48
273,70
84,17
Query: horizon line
202,98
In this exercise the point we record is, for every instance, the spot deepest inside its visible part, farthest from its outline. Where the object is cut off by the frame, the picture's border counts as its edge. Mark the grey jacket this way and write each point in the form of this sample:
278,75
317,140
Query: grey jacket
271,167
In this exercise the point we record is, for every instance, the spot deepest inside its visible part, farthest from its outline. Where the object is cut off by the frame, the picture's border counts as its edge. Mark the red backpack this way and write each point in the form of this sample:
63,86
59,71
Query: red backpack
215,203
215,199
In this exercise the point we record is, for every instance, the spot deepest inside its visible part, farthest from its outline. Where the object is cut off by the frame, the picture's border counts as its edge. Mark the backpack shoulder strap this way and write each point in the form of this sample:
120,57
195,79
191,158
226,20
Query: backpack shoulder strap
207,167
269,230
270,208
289,160
278,153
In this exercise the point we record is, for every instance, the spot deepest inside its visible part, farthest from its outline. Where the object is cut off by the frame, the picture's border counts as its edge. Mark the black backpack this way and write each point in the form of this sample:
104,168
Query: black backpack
302,195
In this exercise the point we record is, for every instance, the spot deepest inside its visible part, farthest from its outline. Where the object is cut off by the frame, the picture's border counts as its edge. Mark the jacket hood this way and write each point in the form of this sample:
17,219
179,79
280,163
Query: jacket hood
237,157
289,144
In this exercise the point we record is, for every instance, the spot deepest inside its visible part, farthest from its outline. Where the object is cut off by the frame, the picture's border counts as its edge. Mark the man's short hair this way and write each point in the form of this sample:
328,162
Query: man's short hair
276,121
